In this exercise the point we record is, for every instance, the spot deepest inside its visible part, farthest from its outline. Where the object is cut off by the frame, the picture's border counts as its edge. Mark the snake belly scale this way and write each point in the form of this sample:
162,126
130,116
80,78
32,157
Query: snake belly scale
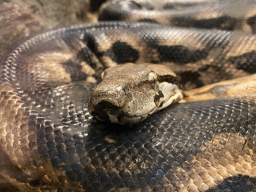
50,142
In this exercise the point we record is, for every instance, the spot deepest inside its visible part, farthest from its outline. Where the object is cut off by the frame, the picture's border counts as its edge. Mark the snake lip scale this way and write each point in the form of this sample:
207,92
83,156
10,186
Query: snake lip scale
204,142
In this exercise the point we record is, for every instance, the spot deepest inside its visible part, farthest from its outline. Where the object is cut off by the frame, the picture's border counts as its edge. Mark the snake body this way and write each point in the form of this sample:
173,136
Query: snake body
49,141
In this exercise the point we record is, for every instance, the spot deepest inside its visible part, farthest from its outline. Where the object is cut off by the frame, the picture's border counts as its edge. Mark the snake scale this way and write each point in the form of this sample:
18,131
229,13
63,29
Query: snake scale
50,142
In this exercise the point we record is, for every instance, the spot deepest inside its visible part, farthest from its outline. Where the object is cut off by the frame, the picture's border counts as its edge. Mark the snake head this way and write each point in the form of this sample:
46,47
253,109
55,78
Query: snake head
130,93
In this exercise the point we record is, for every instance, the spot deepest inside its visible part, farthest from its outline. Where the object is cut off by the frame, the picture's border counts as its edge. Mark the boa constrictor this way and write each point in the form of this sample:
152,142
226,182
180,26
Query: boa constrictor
50,142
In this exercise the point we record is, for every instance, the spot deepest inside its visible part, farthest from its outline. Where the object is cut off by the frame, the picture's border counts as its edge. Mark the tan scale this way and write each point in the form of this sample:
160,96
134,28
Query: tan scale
240,86
208,170
46,65
222,156
244,44
107,40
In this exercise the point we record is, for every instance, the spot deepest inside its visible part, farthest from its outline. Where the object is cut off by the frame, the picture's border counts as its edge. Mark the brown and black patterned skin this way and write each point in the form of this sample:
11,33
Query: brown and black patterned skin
49,141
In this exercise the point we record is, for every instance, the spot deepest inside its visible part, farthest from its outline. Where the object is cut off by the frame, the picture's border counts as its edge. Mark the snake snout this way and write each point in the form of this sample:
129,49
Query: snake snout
105,111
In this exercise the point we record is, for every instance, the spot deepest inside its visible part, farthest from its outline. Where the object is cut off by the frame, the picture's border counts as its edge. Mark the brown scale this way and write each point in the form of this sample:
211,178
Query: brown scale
49,141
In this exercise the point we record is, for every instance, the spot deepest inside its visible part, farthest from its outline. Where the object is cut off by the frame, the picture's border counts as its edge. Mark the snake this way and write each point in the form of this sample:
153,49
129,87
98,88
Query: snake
49,140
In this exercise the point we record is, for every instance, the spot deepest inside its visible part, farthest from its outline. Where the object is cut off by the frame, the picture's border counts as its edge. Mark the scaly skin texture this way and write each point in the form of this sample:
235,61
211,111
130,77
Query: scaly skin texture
130,97
49,141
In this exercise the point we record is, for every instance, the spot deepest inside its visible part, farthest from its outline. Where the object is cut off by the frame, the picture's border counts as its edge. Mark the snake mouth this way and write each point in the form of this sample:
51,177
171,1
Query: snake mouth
106,111
109,112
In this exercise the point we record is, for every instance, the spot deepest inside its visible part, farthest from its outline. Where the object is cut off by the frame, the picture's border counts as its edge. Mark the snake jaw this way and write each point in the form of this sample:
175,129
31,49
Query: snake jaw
131,93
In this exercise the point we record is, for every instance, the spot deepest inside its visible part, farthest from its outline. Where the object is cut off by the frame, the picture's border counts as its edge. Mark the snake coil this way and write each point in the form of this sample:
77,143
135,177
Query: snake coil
50,142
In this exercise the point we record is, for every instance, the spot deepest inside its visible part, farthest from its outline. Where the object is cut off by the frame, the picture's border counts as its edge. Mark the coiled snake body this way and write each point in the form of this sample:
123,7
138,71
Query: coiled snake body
49,141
